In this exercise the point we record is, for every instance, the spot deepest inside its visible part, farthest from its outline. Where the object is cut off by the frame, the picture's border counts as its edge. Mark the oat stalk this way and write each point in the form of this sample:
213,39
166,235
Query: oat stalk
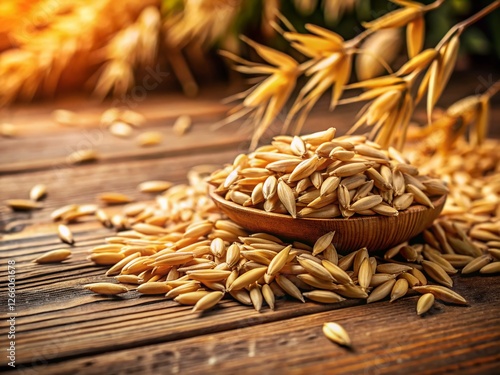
392,98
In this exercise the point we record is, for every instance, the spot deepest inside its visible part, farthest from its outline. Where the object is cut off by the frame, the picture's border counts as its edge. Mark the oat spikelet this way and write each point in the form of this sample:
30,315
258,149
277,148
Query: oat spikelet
267,98
415,32
440,72
377,52
131,47
394,19
201,22
330,67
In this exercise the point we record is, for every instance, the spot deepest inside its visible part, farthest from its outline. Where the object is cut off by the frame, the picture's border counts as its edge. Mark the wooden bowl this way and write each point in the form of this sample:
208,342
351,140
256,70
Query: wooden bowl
374,232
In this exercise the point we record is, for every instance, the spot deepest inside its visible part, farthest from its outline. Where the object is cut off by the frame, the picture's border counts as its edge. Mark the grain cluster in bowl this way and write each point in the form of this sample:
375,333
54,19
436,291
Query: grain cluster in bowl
320,176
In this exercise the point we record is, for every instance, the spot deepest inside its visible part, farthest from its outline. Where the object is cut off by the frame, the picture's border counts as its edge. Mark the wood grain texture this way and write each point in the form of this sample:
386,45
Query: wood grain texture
64,329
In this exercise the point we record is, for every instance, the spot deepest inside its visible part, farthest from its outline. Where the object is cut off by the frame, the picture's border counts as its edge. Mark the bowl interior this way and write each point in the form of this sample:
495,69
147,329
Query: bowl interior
374,232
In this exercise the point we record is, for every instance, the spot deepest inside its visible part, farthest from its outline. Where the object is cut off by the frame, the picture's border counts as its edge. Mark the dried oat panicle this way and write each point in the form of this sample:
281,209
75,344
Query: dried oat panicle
330,66
204,22
266,99
131,47
469,115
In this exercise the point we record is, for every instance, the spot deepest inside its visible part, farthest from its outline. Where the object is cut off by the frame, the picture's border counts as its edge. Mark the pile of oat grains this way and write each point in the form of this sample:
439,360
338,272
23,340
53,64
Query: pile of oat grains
181,246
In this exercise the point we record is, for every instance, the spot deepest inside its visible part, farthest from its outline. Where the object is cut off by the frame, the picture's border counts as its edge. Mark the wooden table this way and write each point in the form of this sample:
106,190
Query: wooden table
64,329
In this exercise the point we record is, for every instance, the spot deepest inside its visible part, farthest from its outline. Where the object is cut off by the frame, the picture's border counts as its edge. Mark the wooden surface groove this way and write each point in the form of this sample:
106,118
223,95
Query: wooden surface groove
63,328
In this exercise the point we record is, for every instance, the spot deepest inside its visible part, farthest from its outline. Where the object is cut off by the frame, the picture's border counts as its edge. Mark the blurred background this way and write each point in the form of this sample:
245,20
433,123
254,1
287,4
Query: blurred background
103,48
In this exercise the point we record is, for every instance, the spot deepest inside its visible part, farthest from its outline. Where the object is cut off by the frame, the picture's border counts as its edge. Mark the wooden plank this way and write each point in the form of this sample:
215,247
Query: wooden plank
57,148
23,154
81,184
387,338
50,150
36,118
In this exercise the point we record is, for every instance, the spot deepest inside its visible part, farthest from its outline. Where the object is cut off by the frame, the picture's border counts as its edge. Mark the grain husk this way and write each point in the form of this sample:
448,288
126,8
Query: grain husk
490,268
23,204
149,138
37,192
442,293
425,303
54,256
323,296
476,264
106,288
399,289
437,273
381,291
336,333
289,287
208,301
247,278
65,234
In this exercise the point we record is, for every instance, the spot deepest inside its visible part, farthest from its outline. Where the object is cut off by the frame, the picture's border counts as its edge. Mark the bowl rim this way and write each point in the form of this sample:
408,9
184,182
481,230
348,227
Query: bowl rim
409,211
